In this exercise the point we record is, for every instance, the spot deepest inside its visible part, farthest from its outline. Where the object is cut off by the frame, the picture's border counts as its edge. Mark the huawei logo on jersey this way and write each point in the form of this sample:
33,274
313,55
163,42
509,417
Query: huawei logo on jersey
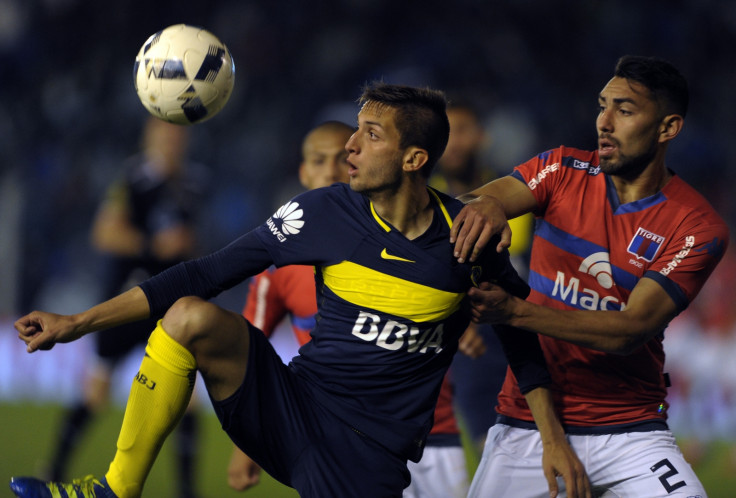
291,218
287,220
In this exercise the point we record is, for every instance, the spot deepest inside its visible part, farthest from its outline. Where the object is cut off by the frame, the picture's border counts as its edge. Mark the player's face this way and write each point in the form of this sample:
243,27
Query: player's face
325,160
463,143
628,127
374,153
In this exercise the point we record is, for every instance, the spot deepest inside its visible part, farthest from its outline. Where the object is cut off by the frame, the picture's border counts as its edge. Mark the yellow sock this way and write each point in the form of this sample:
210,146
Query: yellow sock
158,398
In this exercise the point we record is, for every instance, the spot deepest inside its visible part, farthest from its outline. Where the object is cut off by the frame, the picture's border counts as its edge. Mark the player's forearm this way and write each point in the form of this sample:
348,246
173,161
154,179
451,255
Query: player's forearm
129,306
545,417
508,194
616,332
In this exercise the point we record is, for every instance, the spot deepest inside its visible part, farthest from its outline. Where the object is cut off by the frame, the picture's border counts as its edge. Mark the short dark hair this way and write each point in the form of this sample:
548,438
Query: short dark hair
669,88
421,116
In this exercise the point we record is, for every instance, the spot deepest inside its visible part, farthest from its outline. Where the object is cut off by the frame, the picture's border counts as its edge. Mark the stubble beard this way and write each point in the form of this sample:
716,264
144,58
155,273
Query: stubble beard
391,175
628,166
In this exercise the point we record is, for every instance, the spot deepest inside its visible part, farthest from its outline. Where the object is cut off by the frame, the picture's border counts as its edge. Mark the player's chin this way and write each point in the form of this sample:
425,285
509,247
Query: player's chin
356,184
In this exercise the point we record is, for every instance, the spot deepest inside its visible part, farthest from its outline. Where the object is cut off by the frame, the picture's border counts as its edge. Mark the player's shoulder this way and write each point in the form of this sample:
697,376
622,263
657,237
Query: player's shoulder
565,155
561,161
579,160
693,204
327,208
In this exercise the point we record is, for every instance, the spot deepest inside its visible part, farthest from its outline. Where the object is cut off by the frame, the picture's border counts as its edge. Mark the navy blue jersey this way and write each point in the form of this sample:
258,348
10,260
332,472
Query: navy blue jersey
390,309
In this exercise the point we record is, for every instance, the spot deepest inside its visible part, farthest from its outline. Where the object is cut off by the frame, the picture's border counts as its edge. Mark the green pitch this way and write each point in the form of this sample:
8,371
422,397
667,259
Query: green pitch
28,430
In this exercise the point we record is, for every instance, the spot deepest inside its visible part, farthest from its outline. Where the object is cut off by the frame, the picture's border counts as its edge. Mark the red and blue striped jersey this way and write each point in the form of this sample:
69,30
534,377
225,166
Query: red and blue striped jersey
280,292
589,252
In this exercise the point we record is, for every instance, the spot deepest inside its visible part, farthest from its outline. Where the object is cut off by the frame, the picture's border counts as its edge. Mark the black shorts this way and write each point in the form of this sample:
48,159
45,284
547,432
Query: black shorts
275,421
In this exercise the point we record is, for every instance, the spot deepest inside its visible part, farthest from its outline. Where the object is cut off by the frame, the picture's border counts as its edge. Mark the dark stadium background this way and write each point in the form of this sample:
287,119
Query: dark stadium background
69,115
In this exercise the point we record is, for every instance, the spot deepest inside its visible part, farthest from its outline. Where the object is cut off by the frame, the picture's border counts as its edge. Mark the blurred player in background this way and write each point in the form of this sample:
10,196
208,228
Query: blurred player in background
289,291
622,246
477,379
348,412
144,225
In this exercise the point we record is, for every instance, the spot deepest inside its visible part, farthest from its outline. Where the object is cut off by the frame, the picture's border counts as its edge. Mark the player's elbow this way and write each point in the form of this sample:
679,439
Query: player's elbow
634,330
628,343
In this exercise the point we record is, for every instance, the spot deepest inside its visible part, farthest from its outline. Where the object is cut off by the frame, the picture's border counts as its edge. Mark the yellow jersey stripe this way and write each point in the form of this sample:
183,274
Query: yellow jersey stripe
373,289
379,220
448,218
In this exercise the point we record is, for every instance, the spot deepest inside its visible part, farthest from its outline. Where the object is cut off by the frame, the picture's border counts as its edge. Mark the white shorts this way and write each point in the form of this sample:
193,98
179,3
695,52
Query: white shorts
618,465
441,473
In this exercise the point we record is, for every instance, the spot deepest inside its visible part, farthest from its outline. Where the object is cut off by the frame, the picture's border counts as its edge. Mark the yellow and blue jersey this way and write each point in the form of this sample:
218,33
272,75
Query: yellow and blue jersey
390,309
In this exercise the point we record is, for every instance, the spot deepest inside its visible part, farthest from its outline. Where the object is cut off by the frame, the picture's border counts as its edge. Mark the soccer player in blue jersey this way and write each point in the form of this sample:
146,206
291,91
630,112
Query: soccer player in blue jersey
345,416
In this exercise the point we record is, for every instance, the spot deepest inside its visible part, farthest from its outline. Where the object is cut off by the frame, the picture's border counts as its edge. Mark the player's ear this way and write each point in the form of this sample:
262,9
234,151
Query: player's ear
670,126
415,158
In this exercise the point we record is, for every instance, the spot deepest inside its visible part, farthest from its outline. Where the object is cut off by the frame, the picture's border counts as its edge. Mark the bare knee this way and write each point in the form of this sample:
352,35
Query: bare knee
217,338
187,320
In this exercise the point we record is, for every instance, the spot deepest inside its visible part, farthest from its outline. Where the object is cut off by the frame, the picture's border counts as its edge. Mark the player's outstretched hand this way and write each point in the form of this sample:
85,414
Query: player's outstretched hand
475,224
561,460
242,471
41,330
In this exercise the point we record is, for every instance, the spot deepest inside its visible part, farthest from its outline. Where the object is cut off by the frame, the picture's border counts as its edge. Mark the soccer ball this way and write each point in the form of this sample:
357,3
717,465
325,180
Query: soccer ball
184,74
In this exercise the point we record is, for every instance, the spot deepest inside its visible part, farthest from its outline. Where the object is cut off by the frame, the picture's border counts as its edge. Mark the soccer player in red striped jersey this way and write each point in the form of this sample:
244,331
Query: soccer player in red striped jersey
621,246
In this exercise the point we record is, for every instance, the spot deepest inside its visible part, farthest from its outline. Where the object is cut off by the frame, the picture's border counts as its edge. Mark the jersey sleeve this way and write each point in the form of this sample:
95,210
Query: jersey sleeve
525,357
497,269
548,172
305,231
686,263
209,275
522,348
538,173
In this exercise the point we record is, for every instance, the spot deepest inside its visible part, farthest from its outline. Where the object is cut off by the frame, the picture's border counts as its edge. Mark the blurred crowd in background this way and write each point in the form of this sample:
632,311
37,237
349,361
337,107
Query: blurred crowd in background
69,117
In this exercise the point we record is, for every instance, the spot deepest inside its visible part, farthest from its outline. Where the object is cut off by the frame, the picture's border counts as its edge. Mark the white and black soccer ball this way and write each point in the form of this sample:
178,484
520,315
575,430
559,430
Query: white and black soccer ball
184,74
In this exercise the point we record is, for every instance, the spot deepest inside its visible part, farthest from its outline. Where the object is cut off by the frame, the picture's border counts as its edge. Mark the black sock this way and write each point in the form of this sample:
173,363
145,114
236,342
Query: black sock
76,421
186,435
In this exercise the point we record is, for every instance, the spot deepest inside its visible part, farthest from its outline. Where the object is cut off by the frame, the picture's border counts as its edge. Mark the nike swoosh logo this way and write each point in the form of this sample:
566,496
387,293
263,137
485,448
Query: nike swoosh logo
386,255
